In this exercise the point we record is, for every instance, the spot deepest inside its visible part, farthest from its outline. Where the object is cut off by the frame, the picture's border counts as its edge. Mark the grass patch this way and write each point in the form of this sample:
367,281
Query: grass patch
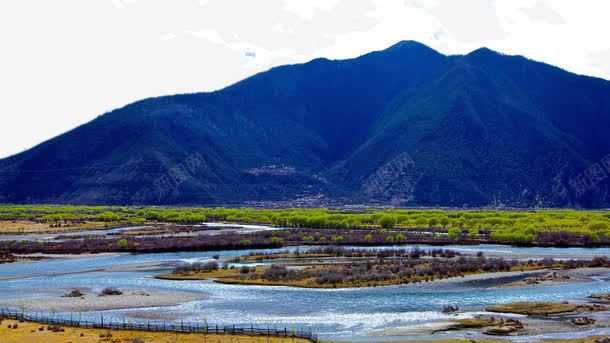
27,332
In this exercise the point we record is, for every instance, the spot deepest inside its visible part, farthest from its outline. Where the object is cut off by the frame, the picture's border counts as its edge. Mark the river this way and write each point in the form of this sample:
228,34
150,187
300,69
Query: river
332,313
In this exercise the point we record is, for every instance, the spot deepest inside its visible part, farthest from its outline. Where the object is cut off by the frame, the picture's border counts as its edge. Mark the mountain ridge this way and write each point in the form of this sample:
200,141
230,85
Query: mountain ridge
482,128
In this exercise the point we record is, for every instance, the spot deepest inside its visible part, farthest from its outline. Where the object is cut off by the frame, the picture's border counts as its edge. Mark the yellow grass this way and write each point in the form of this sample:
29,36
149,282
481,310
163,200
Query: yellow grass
24,226
28,332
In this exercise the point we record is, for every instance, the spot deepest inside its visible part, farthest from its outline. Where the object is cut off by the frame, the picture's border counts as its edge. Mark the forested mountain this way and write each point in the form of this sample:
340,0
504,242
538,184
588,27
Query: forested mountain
402,126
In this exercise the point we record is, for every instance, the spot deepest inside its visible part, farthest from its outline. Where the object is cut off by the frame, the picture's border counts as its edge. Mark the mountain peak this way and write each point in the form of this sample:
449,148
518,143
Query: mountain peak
409,45
483,51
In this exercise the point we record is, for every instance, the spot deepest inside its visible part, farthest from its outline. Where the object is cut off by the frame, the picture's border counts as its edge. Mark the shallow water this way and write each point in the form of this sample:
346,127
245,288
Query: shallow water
214,229
333,313
54,236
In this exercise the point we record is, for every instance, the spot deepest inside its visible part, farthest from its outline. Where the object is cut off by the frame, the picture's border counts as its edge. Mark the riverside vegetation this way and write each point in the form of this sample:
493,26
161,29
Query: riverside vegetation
543,227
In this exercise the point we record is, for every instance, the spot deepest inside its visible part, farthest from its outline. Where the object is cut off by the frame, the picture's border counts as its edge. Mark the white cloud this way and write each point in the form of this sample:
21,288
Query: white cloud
64,62
307,9
210,35
167,36
542,12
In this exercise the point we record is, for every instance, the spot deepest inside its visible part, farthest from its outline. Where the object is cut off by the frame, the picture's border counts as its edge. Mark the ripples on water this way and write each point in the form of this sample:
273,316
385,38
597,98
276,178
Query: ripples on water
333,313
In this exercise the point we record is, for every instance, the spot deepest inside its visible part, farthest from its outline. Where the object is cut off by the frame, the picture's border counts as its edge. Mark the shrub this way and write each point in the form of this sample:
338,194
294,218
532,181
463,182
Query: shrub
75,293
387,221
276,240
338,239
593,237
122,243
598,226
196,267
473,233
454,233
108,217
110,291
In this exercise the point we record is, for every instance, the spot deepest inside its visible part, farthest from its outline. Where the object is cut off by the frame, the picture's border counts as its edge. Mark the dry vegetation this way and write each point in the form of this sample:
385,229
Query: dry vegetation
544,308
27,332
361,268
26,226
601,297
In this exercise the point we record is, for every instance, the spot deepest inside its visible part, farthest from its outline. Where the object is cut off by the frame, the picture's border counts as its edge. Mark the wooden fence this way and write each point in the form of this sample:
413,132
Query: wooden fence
183,327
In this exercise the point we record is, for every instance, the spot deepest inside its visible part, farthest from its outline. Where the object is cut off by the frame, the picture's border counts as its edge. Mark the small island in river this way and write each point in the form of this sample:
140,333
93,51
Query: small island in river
336,267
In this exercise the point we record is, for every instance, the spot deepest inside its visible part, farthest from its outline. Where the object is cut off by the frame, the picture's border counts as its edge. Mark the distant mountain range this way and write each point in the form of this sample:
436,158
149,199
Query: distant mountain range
405,126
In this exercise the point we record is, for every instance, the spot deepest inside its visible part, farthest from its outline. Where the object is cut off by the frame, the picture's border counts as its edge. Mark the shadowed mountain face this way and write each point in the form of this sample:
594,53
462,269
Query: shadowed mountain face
402,126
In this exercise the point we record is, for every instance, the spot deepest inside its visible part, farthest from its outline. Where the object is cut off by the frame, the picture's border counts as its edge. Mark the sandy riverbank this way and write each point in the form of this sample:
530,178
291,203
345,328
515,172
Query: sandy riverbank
532,326
507,279
92,302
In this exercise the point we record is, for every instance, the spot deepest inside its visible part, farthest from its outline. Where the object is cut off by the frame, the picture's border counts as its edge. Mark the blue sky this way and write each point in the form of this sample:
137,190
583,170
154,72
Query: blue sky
64,62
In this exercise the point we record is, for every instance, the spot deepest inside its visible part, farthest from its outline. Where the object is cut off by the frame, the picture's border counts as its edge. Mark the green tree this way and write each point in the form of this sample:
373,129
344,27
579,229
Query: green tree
387,221
108,216
454,233
122,243
598,226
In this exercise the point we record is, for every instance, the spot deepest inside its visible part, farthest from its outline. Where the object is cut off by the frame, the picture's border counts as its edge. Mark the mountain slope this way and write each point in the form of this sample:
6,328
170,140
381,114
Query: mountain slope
405,125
